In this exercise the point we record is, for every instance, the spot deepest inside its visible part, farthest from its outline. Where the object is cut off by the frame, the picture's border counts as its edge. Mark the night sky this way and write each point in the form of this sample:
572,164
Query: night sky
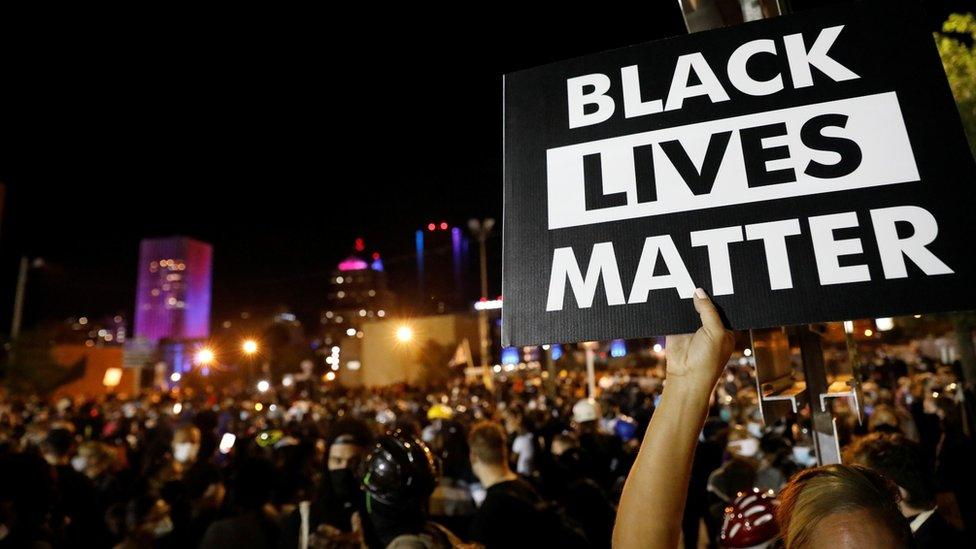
278,139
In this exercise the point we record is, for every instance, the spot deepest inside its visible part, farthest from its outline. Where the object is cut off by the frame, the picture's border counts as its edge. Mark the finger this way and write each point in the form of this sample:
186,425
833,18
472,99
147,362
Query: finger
709,315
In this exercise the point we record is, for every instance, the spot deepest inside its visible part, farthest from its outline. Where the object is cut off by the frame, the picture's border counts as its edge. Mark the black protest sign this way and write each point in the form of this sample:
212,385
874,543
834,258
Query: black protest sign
801,169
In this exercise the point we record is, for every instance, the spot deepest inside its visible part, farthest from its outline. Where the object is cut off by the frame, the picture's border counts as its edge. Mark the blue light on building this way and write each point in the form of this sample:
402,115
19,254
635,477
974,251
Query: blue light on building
510,355
618,348
557,351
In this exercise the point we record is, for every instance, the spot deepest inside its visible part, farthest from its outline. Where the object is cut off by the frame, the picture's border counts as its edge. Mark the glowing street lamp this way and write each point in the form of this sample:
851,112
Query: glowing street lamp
263,386
404,334
204,356
249,346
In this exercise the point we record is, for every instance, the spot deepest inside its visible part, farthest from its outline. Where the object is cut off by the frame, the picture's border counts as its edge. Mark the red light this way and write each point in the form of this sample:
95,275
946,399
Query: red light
431,227
376,255
360,245
443,225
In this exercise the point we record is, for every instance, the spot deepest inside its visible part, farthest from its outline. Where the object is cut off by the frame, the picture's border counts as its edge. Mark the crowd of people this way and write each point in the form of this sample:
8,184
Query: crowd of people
524,464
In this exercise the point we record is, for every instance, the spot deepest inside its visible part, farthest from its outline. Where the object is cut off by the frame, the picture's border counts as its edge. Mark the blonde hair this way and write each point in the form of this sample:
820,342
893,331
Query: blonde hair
814,494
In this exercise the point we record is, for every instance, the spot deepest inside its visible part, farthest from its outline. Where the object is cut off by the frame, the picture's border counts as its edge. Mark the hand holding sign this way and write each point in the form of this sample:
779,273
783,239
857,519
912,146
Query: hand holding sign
695,360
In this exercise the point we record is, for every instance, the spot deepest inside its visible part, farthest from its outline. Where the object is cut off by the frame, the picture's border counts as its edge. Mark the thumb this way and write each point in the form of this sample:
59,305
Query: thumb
710,319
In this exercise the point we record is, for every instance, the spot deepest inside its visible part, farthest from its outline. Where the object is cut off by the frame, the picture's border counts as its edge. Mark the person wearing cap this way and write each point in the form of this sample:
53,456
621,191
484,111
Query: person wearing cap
603,451
400,475
750,521
829,506
437,414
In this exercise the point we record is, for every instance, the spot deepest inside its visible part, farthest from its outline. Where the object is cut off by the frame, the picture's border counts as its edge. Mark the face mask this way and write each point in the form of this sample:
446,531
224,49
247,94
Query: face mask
725,414
804,456
746,447
185,451
755,429
343,483
163,527
79,464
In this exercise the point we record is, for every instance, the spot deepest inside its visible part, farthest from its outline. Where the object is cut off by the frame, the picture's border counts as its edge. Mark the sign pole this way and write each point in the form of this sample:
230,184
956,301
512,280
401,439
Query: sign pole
590,373
824,429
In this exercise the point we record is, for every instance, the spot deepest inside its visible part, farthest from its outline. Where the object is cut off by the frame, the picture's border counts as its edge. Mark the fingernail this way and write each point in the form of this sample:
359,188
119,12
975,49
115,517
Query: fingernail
700,294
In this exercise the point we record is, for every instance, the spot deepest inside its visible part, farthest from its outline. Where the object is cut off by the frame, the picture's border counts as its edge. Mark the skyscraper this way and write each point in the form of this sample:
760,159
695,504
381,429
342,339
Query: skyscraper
173,295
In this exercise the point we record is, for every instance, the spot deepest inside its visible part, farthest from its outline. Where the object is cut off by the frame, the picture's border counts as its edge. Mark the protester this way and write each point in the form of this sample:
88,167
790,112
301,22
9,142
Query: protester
401,473
840,506
513,514
903,462
164,468
339,496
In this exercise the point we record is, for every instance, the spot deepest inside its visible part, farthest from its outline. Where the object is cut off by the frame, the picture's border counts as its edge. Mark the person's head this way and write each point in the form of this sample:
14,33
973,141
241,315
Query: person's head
586,413
903,462
58,446
400,470
884,419
401,473
489,448
348,442
750,521
93,458
841,506
741,443
148,517
253,483
562,443
186,444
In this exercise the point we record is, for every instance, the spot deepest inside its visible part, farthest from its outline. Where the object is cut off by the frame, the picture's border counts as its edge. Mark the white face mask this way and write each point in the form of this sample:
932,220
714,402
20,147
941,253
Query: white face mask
163,527
746,447
755,429
804,456
79,463
185,451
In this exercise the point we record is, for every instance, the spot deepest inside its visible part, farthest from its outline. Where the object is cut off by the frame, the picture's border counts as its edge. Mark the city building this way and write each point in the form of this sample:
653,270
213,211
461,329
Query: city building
446,276
173,292
358,292
103,331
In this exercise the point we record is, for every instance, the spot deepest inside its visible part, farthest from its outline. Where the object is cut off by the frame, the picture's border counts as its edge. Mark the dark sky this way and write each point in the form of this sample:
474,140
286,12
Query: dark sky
278,138
279,141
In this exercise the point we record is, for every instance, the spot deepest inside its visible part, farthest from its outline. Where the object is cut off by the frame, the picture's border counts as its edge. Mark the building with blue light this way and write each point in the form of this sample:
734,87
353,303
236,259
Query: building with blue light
357,293
173,292
446,276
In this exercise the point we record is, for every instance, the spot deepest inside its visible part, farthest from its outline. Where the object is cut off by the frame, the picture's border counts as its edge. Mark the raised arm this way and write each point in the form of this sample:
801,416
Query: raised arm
653,498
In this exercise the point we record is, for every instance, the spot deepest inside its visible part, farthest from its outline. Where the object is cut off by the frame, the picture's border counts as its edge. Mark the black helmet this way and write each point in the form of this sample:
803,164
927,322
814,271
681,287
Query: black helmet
400,470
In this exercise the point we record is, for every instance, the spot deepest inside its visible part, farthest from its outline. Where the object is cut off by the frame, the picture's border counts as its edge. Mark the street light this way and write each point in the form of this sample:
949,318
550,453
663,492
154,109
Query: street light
204,356
249,346
404,334
263,386
481,230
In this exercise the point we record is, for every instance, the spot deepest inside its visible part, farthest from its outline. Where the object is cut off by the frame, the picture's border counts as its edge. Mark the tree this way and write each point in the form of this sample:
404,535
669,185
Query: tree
957,48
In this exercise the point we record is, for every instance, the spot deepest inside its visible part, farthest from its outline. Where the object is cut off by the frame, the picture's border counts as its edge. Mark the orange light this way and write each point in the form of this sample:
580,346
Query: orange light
112,377
249,346
204,356
404,334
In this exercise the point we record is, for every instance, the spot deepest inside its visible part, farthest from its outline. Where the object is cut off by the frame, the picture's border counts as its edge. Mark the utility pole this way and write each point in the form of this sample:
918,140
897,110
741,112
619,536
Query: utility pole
481,230
19,298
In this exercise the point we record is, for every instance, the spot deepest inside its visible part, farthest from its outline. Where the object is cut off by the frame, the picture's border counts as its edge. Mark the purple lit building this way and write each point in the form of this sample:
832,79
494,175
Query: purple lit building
173,295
